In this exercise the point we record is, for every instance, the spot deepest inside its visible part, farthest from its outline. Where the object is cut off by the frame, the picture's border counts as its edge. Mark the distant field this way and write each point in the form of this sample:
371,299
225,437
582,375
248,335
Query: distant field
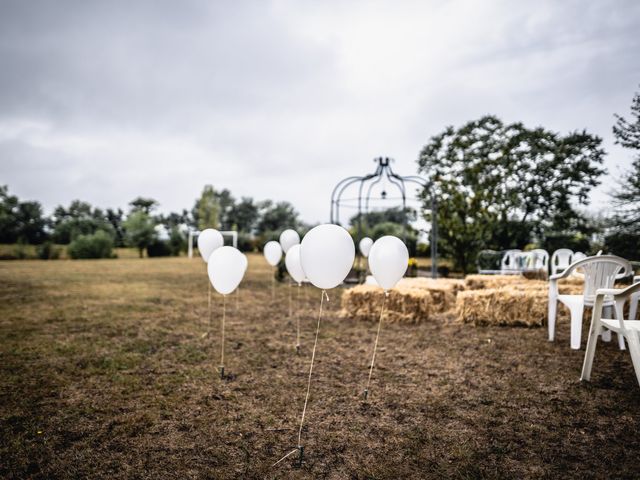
104,374
31,251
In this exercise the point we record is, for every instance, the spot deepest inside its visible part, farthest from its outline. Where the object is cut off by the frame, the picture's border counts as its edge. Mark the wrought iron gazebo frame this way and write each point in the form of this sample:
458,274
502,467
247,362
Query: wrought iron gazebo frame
382,172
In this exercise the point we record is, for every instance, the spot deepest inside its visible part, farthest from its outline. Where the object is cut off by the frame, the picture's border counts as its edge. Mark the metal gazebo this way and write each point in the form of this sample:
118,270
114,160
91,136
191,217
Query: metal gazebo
384,175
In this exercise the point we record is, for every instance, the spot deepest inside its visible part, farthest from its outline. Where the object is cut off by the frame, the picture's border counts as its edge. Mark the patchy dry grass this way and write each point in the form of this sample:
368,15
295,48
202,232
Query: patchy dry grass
104,374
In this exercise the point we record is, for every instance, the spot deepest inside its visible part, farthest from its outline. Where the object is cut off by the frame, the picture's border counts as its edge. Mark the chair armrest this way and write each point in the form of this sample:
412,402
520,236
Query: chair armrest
609,291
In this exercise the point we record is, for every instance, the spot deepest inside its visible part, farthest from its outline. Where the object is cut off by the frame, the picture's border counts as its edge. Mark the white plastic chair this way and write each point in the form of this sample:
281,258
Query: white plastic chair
561,259
633,301
599,272
509,263
629,329
538,259
579,256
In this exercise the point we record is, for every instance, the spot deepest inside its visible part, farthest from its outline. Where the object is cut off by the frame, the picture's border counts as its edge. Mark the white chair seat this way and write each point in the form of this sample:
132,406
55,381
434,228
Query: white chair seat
633,325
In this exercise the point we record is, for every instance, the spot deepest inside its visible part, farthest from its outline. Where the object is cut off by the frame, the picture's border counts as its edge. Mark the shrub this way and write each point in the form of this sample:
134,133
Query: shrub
159,248
624,244
48,251
246,243
97,245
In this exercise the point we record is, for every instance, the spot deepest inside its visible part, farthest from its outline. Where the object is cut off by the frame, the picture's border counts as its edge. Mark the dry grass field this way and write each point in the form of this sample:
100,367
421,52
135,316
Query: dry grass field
104,374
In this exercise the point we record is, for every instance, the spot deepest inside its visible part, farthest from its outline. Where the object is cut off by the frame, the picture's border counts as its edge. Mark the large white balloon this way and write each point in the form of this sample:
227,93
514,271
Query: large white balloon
388,260
226,268
326,255
245,261
288,239
365,246
208,241
273,253
294,267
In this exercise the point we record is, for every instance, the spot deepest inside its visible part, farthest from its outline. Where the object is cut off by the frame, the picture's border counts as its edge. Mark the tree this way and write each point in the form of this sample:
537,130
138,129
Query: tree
146,205
79,219
140,230
206,211
278,217
245,214
20,221
627,197
115,219
393,215
494,182
226,204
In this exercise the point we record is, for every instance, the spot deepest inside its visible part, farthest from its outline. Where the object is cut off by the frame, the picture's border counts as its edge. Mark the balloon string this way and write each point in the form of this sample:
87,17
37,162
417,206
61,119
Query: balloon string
313,356
209,309
224,314
375,345
237,298
290,313
298,318
273,284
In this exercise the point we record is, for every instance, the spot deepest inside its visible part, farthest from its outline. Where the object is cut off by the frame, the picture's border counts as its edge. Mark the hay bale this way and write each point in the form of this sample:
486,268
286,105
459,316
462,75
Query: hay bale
406,305
502,306
481,282
443,291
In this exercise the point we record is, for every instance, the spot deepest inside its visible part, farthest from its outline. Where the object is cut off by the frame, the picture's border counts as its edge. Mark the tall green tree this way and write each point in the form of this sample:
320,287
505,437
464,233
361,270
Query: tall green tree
276,217
206,211
20,221
245,214
496,182
140,230
627,195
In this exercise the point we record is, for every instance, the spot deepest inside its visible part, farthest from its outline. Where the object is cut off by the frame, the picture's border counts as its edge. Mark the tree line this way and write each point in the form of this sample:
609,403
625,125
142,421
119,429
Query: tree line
92,232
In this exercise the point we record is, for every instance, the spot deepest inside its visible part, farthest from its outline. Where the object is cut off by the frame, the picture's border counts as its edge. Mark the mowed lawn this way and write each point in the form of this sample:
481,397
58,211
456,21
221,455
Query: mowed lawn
105,374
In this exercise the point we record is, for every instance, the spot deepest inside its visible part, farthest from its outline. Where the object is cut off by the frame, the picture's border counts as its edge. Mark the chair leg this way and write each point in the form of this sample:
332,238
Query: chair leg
553,307
594,331
634,350
607,312
633,305
619,311
576,327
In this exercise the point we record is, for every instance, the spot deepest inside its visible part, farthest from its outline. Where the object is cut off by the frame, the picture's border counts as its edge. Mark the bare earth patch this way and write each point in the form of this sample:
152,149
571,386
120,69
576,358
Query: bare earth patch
104,374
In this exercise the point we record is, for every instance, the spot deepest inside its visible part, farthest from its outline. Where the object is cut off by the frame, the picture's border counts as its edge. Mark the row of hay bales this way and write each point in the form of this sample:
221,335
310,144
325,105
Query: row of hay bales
478,299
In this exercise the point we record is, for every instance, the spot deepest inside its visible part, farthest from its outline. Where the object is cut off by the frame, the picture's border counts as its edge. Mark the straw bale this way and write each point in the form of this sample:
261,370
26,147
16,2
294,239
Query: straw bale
406,305
479,282
502,306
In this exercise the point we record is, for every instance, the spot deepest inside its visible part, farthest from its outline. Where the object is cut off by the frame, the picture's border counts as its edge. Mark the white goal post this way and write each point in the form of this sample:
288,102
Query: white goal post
226,233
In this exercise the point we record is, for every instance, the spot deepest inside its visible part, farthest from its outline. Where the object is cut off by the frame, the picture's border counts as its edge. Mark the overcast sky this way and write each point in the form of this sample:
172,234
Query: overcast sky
105,101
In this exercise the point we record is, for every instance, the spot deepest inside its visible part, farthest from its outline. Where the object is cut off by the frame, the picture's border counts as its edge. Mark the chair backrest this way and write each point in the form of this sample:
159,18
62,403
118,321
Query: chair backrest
579,256
600,272
510,260
561,259
539,259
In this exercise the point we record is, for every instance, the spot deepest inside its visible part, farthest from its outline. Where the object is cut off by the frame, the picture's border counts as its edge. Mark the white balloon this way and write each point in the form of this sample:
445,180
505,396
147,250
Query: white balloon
246,262
272,252
388,260
288,239
365,246
226,268
208,241
294,267
326,255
